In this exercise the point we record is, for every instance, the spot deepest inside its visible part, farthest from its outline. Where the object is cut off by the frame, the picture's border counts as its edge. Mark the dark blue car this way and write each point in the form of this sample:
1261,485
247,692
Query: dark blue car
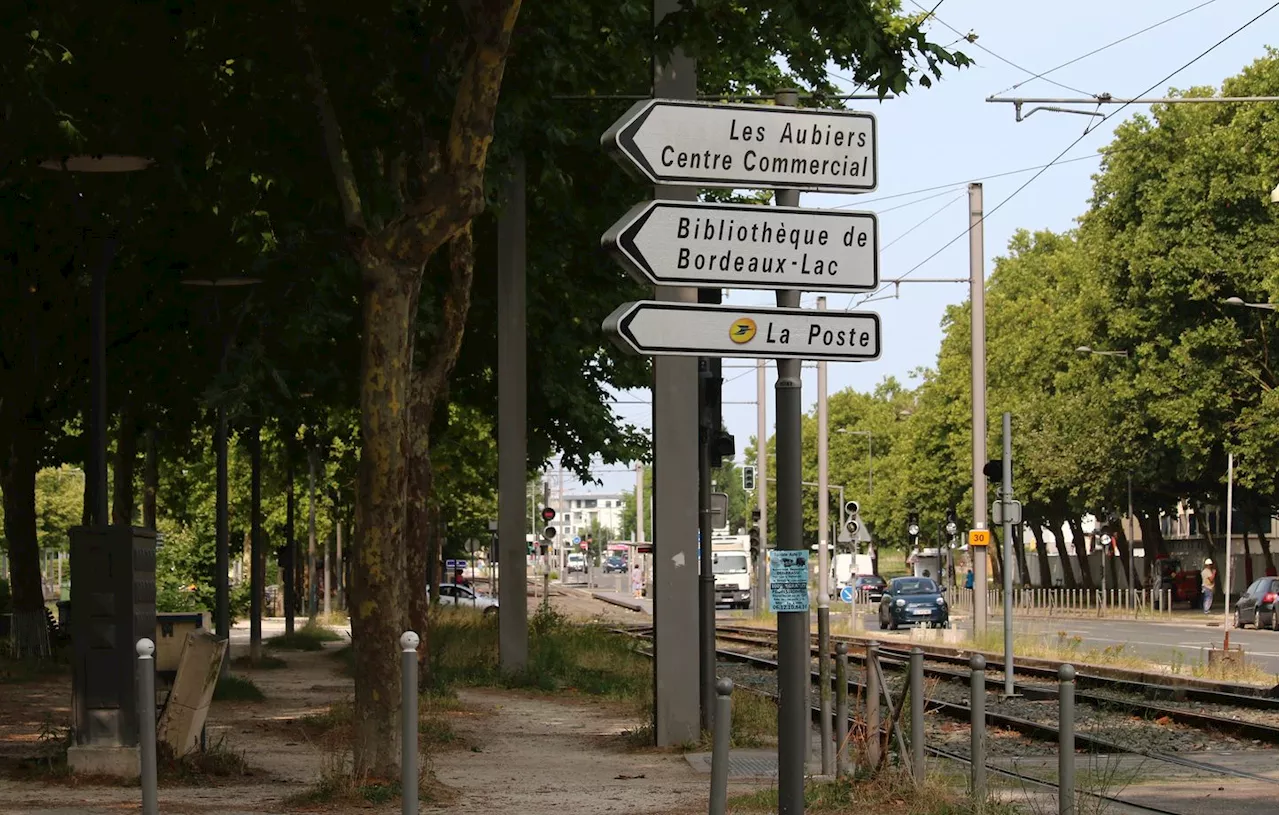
913,601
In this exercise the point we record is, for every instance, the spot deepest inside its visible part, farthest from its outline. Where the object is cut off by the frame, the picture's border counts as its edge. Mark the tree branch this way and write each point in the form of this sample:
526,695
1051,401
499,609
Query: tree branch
335,147
457,302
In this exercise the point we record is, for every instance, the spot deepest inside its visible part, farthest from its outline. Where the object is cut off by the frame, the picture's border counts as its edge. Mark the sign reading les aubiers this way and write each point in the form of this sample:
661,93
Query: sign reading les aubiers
751,146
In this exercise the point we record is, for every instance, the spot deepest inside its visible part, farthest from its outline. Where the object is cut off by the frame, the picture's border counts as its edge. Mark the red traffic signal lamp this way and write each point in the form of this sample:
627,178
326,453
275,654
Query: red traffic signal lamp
548,514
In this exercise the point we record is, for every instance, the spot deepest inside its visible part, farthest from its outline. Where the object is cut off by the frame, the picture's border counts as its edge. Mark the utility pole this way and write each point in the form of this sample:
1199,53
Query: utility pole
762,489
824,574
513,439
978,351
793,626
706,576
675,446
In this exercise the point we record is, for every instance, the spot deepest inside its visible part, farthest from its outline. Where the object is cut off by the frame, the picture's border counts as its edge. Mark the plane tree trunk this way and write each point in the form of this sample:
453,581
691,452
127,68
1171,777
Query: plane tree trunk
1042,553
29,634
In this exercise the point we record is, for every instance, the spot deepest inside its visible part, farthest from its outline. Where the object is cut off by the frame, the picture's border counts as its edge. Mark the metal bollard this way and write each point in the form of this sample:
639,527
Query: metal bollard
409,723
720,747
873,705
978,728
1066,740
917,714
842,708
147,725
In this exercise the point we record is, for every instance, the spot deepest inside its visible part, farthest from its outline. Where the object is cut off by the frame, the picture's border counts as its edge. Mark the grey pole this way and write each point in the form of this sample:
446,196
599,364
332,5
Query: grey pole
873,705
1006,515
978,728
98,386
706,576
1066,740
513,621
793,626
675,485
257,561
290,546
824,574
147,724
720,748
842,707
409,723
312,590
917,715
1133,585
978,346
222,544
762,489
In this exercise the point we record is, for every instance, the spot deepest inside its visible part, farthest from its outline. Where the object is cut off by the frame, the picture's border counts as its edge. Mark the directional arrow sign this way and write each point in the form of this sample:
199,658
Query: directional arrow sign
751,146
695,329
741,246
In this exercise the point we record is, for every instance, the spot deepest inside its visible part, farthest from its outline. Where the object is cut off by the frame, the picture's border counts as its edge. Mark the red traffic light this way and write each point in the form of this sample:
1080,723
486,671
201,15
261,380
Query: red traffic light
548,514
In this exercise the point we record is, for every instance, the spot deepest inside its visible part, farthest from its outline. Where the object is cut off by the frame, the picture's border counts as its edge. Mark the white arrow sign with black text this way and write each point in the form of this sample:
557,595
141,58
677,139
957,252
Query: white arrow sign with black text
742,246
747,146
663,328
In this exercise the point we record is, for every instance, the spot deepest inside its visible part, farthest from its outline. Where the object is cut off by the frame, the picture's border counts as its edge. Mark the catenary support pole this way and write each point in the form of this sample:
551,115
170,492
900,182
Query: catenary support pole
793,626
1006,495
978,728
824,574
1066,740
257,559
842,708
917,715
758,597
147,725
706,576
222,535
978,365
409,723
1226,583
675,485
720,748
1134,585
872,716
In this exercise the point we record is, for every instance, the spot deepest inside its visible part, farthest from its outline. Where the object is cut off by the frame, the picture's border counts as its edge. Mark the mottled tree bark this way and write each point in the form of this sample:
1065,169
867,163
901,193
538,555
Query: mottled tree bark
1042,553
150,481
1064,559
1020,554
1262,522
29,634
1082,557
1120,534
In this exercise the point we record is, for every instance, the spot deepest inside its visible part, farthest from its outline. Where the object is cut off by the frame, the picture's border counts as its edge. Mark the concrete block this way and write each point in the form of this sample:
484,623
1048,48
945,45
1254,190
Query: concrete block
101,759
188,707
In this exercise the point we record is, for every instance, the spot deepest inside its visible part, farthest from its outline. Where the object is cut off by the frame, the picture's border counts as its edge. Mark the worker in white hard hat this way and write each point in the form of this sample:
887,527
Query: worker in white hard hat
1208,580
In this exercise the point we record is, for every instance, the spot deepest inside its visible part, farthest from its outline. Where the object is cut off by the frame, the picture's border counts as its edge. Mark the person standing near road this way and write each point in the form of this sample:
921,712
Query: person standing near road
637,581
1208,581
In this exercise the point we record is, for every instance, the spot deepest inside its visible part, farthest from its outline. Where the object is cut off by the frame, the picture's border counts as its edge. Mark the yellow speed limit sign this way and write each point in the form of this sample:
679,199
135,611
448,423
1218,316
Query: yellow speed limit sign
979,537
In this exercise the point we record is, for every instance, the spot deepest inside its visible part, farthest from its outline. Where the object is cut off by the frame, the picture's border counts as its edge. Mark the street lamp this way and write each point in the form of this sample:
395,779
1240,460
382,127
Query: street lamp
1236,301
870,465
1084,349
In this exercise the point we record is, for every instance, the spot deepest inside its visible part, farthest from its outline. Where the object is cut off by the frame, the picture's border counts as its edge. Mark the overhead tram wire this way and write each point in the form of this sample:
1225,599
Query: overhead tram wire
988,213
1105,47
1009,62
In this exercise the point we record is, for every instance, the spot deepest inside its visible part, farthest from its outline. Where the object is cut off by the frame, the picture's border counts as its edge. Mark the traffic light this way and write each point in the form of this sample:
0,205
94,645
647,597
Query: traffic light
548,514
913,527
755,542
851,522
953,523
994,471
722,447
748,478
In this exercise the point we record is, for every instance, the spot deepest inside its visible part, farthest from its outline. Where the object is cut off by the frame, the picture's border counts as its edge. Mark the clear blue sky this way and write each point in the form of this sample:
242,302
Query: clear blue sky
949,136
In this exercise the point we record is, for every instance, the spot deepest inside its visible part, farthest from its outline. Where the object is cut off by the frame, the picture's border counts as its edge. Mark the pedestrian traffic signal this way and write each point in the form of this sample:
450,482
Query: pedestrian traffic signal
548,514
748,478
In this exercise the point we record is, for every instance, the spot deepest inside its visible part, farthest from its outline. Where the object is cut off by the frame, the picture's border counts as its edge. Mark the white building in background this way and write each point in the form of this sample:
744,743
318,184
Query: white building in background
581,511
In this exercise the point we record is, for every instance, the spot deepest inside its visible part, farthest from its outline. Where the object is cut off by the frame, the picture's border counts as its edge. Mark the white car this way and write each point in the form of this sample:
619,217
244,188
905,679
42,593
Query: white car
576,562
455,595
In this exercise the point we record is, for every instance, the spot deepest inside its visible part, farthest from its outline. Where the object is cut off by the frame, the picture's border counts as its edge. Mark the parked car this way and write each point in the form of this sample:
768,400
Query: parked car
576,562
454,595
868,588
615,565
1257,606
913,601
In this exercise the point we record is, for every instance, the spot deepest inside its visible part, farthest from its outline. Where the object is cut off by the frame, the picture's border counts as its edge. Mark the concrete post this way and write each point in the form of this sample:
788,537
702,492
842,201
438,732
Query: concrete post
873,705
978,728
917,715
1066,740
842,708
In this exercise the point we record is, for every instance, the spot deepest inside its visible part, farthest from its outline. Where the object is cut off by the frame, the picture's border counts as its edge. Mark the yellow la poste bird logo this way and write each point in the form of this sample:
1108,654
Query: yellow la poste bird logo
742,330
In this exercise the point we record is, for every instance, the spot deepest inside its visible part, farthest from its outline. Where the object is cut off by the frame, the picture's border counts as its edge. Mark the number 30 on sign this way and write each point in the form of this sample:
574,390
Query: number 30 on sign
979,537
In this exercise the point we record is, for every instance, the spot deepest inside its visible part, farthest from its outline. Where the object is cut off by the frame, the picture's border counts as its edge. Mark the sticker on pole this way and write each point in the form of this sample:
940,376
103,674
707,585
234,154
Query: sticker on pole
788,580
979,537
